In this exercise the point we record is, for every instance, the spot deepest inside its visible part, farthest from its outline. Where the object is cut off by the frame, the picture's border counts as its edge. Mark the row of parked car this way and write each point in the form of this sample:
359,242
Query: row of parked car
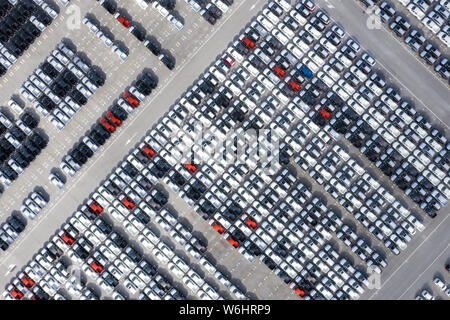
131,199
33,205
23,22
207,205
195,97
438,14
10,231
212,10
20,144
214,188
107,125
164,8
138,32
61,85
90,242
94,29
384,126
433,14
48,274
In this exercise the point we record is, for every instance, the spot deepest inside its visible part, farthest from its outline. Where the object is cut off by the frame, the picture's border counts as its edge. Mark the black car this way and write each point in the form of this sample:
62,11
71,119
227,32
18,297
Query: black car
69,77
121,114
16,224
167,61
96,137
78,157
81,251
21,160
29,120
105,227
49,70
85,150
38,140
143,217
148,268
31,29
109,278
168,4
153,46
78,97
143,87
213,10
128,168
3,245
101,131
139,34
133,254
118,240
96,78
151,81
43,17
208,17
32,148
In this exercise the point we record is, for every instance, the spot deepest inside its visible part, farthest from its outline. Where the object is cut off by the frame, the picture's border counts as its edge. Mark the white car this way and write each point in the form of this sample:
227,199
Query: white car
52,13
416,11
56,181
222,6
431,25
280,36
37,23
121,54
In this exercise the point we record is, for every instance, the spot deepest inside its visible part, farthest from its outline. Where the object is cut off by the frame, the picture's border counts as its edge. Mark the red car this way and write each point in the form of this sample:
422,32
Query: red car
300,292
228,60
127,202
294,86
111,117
27,281
249,43
67,239
191,168
218,228
123,21
97,267
131,100
325,114
107,125
252,224
279,72
98,210
149,152
16,293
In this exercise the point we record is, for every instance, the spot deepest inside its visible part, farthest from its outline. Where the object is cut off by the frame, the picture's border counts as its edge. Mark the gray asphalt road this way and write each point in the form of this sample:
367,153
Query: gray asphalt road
425,257
205,47
415,80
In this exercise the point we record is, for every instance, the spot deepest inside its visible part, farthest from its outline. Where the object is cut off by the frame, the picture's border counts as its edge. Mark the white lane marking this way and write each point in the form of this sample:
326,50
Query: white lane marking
420,275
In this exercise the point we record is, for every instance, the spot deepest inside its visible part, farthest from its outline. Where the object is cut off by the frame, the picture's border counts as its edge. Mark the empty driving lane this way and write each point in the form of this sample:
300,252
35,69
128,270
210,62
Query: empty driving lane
150,111
416,80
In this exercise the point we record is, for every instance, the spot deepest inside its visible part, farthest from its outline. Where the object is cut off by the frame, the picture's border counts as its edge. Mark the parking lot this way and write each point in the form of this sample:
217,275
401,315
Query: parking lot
422,27
303,80
126,139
